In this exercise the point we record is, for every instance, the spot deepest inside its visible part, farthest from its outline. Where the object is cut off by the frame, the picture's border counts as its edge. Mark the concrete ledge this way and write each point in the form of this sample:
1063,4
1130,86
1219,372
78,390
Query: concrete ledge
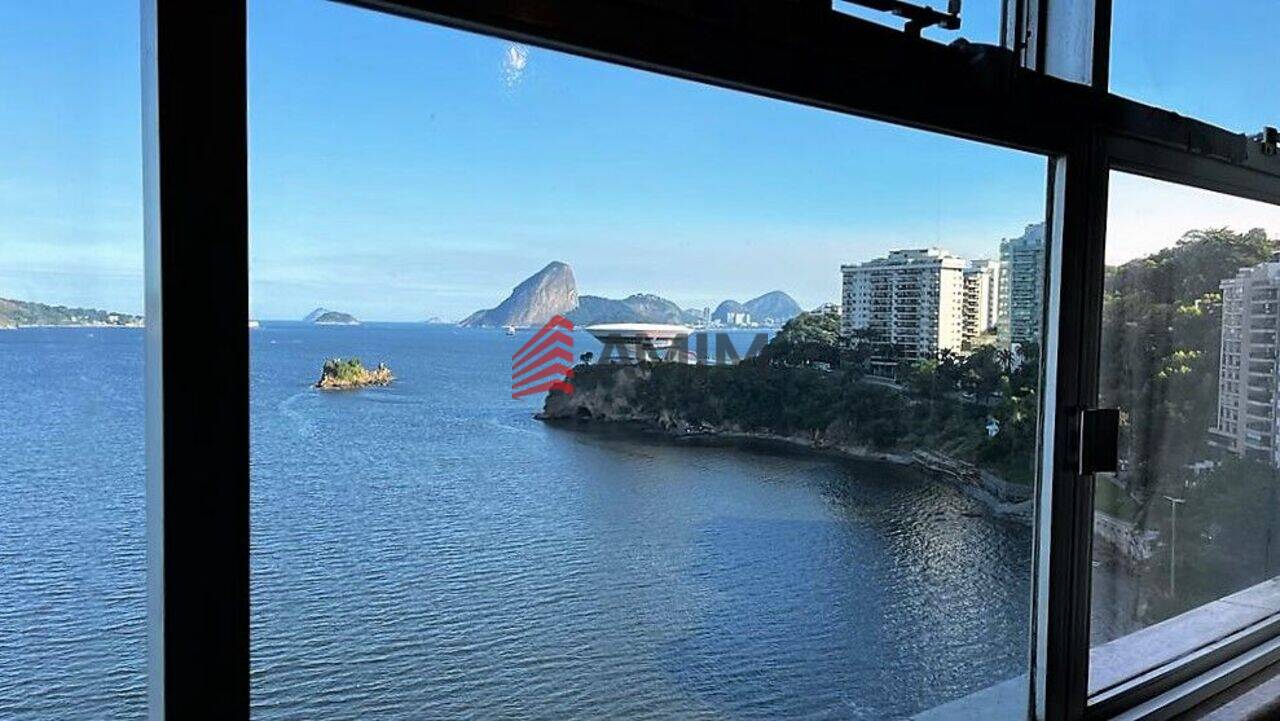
1140,653
1159,645
1009,699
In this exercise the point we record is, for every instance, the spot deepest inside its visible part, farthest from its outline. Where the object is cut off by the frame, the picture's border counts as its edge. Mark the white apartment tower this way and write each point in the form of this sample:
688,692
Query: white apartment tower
981,298
1021,289
1247,396
913,299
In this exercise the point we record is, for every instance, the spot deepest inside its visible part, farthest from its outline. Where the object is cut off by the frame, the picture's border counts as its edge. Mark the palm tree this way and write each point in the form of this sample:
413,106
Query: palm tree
1005,357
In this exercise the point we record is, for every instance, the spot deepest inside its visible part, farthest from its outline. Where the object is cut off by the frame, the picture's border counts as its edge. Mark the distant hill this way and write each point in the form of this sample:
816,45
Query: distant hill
534,301
722,311
333,317
14,313
553,290
774,304
313,315
638,308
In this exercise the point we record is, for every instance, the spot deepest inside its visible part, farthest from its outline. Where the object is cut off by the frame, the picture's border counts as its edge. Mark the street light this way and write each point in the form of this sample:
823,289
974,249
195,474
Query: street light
1173,541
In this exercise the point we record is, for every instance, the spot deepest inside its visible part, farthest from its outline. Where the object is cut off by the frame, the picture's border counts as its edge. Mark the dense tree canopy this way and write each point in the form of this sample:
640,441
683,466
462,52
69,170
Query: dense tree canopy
1162,330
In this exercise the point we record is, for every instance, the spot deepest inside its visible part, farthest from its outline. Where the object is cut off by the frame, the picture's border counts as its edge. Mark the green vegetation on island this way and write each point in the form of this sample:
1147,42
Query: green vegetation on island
344,374
17,313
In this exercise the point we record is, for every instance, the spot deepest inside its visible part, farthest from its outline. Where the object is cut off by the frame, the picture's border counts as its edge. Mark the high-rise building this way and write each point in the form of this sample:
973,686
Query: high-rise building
981,298
1020,297
911,299
1247,397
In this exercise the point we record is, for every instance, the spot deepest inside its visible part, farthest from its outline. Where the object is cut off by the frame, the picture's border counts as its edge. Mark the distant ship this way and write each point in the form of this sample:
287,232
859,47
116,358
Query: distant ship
510,329
254,324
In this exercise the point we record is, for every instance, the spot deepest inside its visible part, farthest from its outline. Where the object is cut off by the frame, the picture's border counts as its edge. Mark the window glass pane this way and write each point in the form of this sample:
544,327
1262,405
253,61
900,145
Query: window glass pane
838,526
72,544
1200,58
1183,533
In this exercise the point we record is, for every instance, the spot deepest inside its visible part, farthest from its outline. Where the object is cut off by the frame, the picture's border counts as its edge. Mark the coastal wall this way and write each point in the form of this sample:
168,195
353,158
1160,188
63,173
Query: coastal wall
1125,539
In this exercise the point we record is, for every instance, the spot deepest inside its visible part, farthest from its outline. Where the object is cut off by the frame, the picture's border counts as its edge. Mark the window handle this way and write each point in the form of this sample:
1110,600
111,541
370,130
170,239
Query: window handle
1099,440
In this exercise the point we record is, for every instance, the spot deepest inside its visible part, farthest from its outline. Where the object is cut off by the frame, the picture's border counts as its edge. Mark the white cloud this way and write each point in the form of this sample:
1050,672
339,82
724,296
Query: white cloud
514,61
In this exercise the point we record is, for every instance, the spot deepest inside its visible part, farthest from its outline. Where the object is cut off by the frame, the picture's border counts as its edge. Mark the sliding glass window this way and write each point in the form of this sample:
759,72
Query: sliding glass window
1187,532
786,465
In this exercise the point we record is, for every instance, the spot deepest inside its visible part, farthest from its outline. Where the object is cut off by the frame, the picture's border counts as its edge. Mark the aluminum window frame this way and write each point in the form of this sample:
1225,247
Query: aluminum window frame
196,228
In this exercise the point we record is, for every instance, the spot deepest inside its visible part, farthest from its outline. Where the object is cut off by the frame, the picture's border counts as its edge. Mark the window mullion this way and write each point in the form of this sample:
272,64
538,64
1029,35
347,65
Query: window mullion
1077,202
197,366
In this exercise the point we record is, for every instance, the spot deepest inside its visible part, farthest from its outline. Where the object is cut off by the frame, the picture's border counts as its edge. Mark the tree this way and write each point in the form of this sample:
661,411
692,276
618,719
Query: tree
806,339
1162,325
1005,358
982,372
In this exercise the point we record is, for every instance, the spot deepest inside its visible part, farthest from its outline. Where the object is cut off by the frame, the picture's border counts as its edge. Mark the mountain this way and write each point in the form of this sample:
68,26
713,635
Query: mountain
333,317
553,291
692,316
311,317
14,313
722,311
774,304
638,308
542,295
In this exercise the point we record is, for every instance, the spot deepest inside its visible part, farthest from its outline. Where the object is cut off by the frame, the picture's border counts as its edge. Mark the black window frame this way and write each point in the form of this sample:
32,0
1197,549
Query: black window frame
196,225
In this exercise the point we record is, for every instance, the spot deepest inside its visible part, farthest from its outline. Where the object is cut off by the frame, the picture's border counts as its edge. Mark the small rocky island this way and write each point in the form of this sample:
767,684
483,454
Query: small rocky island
350,373
333,317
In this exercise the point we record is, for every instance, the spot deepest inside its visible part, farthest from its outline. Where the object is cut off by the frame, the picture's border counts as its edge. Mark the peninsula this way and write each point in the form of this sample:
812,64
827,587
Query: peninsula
808,389
19,314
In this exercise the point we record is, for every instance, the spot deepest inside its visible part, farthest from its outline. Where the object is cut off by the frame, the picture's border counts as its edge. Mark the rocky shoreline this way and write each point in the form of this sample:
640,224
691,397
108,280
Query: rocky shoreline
998,495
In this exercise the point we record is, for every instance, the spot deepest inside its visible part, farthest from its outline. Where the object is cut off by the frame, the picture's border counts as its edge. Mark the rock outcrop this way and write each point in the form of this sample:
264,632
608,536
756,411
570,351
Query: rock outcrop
339,374
549,292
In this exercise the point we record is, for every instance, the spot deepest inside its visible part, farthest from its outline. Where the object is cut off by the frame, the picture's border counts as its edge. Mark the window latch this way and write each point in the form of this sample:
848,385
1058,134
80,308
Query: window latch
1099,441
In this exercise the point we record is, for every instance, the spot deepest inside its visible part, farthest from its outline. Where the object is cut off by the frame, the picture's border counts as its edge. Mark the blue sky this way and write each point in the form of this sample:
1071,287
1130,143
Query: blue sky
400,170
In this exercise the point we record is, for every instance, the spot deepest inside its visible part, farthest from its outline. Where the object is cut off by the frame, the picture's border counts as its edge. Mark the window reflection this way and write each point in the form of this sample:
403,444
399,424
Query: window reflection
1186,530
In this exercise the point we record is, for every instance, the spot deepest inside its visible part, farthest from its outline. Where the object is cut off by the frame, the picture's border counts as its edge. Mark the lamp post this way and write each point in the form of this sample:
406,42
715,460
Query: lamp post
1173,541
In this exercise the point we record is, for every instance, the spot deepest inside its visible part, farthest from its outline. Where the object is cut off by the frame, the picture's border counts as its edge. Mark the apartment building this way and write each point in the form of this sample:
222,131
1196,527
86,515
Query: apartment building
1247,397
981,299
1020,295
912,299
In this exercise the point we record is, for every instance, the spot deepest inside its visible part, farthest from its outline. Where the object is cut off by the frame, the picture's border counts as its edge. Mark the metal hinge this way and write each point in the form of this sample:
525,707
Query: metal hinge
1099,448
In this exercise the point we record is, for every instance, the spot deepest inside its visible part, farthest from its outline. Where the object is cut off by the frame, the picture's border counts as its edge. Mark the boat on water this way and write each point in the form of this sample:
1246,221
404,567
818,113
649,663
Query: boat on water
254,324
510,329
